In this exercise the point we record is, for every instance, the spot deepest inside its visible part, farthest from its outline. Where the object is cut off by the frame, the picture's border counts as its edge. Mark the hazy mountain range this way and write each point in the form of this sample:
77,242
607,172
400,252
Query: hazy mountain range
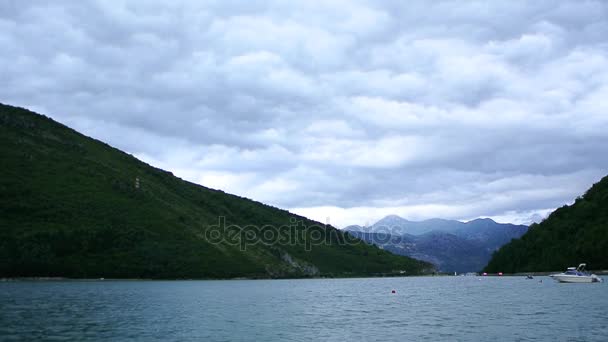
451,245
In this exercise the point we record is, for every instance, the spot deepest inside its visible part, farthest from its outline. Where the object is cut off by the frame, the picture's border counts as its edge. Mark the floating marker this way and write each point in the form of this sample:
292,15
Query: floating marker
393,291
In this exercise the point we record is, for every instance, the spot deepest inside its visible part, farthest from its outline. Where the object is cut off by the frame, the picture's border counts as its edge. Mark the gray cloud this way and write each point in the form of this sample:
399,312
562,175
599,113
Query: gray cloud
348,110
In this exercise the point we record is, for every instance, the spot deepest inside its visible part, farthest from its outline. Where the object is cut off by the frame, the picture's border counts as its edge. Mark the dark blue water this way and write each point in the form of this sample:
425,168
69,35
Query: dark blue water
426,308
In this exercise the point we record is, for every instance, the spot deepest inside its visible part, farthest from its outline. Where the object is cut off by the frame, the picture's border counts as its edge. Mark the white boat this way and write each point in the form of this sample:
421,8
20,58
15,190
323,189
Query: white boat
576,275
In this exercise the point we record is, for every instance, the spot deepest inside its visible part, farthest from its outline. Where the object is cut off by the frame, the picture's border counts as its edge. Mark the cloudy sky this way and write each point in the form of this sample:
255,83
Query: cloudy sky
347,110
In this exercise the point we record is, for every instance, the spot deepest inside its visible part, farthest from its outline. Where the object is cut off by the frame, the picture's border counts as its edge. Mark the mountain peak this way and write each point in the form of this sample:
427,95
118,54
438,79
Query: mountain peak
391,220
393,217
482,219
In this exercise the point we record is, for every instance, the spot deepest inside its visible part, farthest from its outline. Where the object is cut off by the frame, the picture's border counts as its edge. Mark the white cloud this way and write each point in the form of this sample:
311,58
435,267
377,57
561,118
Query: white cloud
341,109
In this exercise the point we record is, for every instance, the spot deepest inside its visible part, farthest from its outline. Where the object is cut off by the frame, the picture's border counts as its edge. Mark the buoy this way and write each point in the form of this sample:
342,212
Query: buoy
499,273
393,291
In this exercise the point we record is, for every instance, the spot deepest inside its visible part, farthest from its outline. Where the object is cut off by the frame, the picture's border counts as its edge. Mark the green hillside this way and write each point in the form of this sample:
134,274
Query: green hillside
73,206
570,235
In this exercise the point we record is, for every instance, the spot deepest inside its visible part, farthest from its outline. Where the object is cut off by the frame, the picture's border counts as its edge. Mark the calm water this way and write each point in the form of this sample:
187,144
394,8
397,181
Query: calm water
432,308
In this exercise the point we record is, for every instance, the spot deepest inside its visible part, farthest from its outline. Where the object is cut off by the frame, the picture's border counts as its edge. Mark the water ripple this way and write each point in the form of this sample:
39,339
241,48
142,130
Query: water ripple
441,308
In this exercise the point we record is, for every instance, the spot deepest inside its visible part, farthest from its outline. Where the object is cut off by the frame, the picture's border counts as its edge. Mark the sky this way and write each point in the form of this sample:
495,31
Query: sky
342,111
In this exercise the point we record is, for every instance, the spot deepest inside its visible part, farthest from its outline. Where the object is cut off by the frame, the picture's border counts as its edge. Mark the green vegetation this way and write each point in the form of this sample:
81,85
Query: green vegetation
70,206
570,235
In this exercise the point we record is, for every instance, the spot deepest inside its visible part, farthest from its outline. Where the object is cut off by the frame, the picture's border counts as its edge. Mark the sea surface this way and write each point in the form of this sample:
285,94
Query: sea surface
422,308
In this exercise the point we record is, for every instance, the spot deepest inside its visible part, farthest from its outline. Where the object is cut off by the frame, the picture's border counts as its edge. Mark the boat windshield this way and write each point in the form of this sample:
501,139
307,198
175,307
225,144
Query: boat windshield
575,272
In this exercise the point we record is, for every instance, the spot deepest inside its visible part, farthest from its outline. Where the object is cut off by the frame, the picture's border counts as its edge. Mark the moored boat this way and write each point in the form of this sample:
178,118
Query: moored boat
576,275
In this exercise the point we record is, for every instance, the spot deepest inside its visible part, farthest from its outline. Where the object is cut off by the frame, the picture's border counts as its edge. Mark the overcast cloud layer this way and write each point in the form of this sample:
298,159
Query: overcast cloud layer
350,110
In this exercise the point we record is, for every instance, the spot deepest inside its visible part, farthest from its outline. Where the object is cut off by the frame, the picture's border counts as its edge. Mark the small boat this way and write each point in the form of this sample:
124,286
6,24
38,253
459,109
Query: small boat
576,275
529,276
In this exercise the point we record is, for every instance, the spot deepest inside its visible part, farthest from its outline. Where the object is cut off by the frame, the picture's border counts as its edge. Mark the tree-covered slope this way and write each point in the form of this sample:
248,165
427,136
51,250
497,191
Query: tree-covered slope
73,206
570,235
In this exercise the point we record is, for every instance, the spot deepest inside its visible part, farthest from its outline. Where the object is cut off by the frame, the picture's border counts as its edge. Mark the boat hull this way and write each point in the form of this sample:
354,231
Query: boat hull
565,278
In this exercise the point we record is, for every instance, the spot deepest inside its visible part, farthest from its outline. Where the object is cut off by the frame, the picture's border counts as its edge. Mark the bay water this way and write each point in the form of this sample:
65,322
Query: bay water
365,309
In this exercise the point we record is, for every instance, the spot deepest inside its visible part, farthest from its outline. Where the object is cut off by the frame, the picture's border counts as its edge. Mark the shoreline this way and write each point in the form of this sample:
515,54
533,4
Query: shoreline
51,279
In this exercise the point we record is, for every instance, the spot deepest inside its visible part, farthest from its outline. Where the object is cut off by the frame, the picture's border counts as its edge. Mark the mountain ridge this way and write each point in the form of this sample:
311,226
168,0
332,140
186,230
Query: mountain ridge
397,225
73,206
453,246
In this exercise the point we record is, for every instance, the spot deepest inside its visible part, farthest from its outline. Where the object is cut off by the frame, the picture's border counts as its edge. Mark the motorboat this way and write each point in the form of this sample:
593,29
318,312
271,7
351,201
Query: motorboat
576,275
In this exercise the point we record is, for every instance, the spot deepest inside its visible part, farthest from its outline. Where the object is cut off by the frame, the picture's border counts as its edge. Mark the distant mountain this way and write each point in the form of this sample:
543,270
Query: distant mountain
394,224
453,246
491,234
73,206
572,234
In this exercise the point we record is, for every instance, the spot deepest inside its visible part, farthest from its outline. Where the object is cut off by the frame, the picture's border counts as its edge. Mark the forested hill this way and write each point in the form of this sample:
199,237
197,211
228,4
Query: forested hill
73,206
570,235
